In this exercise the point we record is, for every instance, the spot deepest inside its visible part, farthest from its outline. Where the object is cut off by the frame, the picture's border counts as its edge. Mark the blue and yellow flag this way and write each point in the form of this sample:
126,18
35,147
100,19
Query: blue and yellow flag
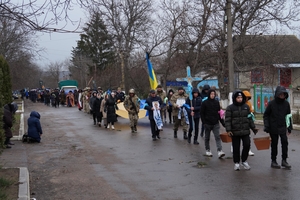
152,77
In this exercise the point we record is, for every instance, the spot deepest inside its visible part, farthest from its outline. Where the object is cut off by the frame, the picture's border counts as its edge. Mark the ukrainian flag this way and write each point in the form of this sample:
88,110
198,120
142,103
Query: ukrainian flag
152,77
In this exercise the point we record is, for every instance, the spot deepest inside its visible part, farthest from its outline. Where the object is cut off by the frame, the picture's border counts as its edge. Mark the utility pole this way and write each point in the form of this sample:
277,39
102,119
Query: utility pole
122,70
230,46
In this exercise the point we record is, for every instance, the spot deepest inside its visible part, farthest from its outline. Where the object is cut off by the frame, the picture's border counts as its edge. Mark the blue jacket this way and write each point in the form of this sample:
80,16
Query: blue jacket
34,126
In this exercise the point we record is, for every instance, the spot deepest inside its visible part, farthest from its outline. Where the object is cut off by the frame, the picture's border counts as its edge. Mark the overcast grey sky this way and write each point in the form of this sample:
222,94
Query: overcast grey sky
58,46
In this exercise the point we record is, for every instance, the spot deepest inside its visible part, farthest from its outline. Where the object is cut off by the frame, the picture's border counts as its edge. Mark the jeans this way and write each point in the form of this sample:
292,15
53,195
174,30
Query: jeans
216,130
194,122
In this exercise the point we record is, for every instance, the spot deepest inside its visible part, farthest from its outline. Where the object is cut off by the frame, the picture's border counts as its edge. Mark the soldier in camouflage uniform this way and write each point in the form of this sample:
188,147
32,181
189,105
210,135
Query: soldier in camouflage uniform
132,105
179,96
86,99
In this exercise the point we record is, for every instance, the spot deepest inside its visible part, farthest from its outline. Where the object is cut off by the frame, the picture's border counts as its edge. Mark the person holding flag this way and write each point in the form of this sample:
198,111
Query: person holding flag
152,77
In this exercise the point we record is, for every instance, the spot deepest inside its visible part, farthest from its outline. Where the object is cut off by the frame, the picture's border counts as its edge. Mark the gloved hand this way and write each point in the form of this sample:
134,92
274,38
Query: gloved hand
230,134
266,129
255,130
289,130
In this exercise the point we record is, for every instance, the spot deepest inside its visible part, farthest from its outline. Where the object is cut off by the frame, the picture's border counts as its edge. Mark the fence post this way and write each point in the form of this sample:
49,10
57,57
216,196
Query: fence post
261,99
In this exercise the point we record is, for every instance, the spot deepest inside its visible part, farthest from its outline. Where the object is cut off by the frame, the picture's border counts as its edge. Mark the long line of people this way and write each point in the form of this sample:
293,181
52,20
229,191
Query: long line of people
187,111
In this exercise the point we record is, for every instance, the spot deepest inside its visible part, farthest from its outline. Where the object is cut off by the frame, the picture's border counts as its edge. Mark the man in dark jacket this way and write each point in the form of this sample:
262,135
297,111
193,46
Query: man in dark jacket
210,118
149,106
204,96
34,127
238,124
275,124
120,95
9,110
194,114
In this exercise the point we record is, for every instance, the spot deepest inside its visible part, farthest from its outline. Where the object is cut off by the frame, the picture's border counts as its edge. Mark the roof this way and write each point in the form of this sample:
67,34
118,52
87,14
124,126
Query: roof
289,65
266,49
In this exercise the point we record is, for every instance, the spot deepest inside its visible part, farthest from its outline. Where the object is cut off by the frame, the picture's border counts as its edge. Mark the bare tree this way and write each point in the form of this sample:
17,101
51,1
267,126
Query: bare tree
41,16
127,21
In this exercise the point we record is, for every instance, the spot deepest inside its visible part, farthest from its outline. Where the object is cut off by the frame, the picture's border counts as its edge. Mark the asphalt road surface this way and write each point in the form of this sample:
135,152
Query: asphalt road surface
77,160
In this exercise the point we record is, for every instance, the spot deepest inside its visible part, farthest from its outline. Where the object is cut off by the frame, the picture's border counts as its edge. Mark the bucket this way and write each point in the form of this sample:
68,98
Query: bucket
262,143
225,138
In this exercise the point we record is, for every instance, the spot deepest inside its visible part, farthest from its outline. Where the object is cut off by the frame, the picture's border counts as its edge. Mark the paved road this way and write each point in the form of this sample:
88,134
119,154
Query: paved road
77,160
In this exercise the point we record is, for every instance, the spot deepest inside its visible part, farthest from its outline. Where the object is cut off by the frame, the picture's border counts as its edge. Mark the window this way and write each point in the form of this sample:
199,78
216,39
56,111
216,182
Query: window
257,76
285,77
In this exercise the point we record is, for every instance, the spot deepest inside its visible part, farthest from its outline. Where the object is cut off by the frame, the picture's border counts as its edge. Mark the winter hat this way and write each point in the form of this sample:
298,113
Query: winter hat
180,88
152,91
158,86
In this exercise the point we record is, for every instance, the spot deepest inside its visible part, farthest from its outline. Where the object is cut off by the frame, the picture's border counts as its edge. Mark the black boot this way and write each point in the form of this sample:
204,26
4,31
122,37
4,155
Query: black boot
189,137
275,165
157,135
185,135
196,140
154,137
175,134
285,164
6,143
132,129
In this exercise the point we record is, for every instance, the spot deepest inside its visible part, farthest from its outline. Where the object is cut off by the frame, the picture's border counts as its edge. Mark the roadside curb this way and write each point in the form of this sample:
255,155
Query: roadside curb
24,192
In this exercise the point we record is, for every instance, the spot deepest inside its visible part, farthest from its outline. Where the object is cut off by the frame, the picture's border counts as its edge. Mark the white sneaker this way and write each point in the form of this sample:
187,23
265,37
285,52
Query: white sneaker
250,153
112,127
236,167
108,126
246,165
208,153
221,154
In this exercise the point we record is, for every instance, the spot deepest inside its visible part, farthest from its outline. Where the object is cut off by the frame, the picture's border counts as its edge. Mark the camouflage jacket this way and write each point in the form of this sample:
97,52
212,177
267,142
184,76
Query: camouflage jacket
174,102
132,105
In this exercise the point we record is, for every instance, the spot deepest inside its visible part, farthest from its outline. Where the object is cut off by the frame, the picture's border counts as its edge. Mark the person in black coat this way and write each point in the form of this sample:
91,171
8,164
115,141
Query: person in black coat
9,111
34,131
110,109
204,96
169,106
152,98
194,114
97,114
210,119
238,124
275,124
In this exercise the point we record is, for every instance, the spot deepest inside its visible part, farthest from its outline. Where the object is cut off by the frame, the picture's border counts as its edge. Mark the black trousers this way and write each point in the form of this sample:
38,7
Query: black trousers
274,146
236,143
194,122
154,130
98,116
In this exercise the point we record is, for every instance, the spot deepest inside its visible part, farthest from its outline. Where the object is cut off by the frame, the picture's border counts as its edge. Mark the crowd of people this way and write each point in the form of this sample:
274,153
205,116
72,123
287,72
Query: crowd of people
238,120
183,110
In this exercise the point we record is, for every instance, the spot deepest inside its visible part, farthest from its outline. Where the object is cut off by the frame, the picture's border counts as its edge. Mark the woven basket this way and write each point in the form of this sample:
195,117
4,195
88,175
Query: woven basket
262,143
225,138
